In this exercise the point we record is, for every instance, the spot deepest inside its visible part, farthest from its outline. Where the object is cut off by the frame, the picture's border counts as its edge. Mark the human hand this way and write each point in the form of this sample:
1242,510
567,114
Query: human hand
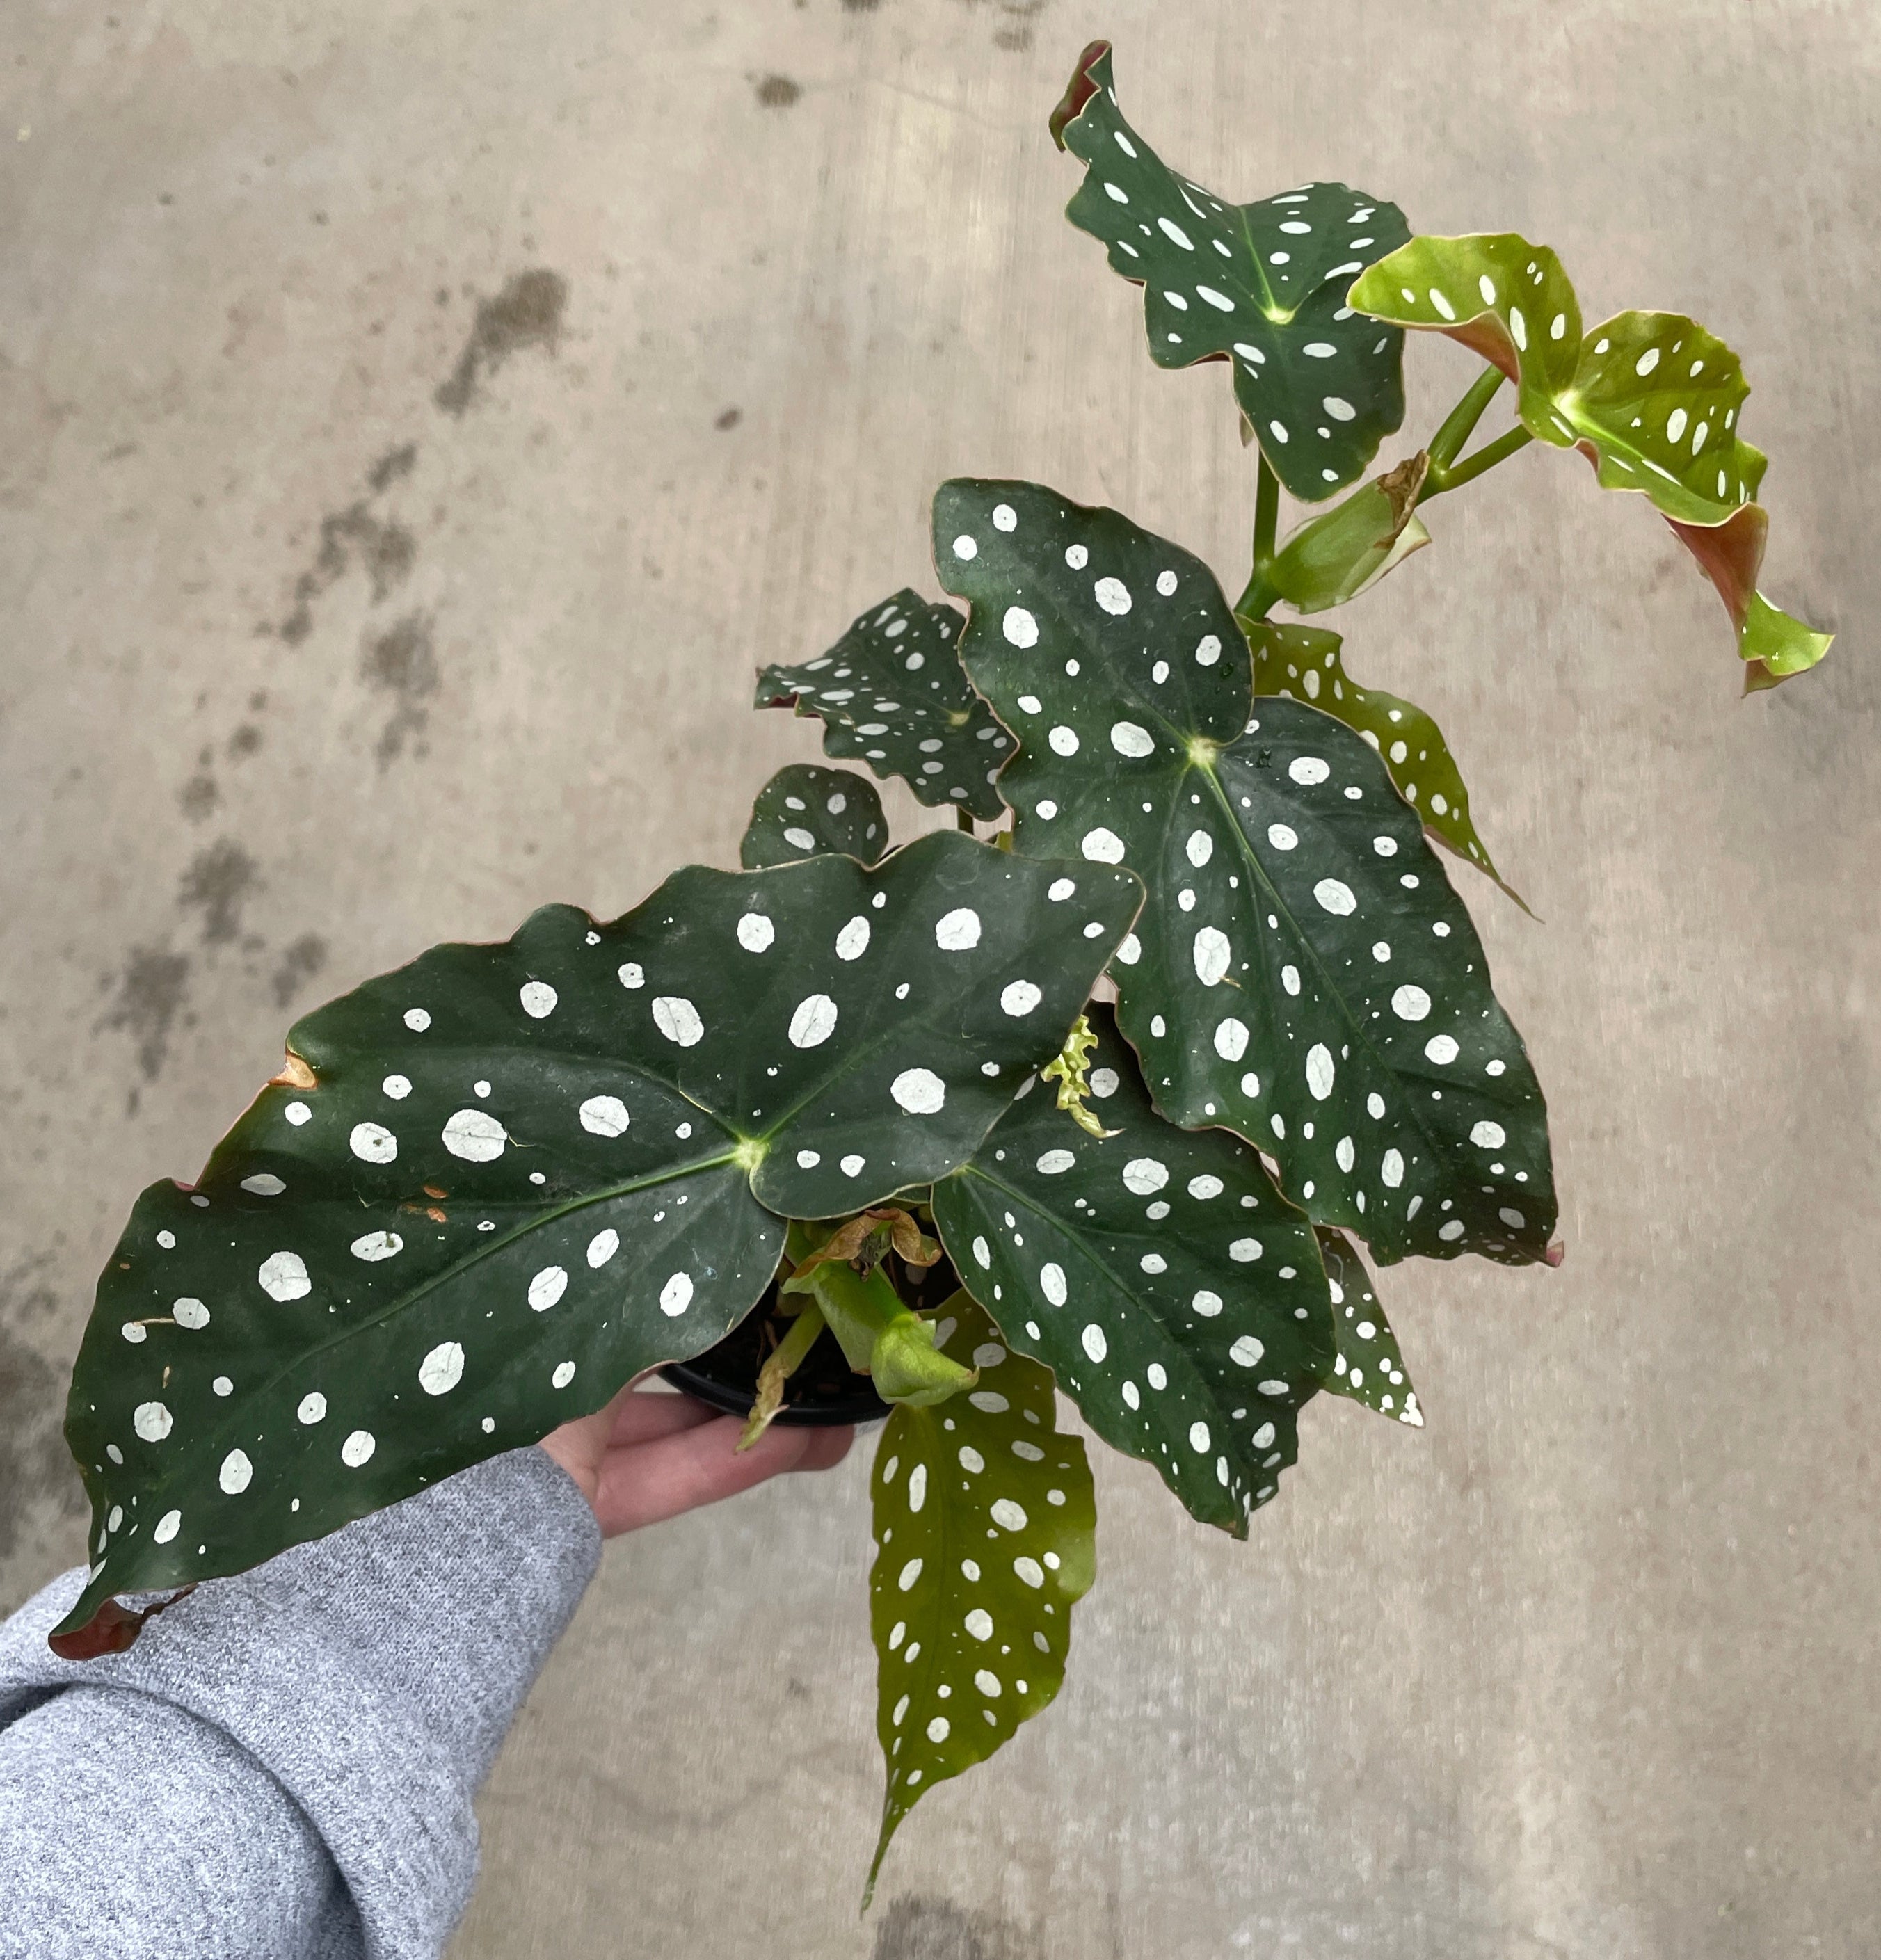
646,1457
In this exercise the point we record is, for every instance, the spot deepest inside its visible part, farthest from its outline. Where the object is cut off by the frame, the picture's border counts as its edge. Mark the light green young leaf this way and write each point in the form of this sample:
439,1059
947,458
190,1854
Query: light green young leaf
890,692
1177,1295
1501,297
1305,663
1651,399
806,812
985,1525
493,1186
1261,286
1302,973
1369,1368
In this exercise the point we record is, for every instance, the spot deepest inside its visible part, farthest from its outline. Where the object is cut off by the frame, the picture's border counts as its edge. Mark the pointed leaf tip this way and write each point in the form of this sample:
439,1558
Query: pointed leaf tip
1092,72
1369,1367
1775,647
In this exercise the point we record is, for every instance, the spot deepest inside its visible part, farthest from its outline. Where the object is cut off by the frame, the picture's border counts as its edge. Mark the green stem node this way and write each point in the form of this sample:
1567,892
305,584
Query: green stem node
1505,446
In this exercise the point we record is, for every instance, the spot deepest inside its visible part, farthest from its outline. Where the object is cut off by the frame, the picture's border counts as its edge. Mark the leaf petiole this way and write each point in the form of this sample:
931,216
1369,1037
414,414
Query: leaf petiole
1258,598
782,1362
1266,513
1506,445
1459,424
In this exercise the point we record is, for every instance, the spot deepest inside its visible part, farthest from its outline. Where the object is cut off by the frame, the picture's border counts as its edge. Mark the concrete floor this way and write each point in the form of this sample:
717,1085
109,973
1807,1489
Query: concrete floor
414,425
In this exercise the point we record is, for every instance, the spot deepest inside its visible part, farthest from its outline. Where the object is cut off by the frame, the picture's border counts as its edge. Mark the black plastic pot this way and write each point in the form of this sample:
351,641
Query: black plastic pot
824,1391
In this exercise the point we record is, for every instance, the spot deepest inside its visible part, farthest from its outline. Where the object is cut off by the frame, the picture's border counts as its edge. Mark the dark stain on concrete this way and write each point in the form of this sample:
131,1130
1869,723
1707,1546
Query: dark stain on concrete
526,312
383,546
728,418
395,465
861,6
199,796
917,1928
777,91
299,963
221,879
245,741
35,1465
402,662
150,993
1014,33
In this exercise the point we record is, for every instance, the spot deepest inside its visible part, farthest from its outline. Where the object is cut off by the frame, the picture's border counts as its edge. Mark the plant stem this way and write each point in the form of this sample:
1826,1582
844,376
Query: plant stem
965,822
1258,596
1266,513
1459,424
1255,602
782,1362
1505,446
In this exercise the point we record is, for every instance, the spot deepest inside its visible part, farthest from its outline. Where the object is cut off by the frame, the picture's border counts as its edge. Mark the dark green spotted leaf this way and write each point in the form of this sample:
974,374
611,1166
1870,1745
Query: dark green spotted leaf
891,693
985,1526
1305,663
1302,973
1178,1297
806,811
1651,399
493,1185
1369,1367
1261,286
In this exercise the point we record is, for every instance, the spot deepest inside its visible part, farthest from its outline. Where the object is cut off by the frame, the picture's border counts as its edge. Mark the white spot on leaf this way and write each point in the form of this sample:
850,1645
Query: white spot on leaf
283,1277
959,931
813,1022
475,1136
442,1369
678,1020
919,1091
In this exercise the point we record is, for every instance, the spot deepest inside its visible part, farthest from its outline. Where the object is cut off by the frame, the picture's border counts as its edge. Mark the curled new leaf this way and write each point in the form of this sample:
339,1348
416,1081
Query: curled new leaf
1305,663
890,692
985,1523
1069,1071
1261,286
1651,399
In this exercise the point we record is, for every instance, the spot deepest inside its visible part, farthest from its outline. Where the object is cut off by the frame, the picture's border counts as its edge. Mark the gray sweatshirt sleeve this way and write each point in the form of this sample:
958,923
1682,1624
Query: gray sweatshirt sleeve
283,1765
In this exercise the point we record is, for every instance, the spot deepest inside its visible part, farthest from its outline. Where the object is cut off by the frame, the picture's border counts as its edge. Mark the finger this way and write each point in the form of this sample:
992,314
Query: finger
826,1448
644,1416
691,1467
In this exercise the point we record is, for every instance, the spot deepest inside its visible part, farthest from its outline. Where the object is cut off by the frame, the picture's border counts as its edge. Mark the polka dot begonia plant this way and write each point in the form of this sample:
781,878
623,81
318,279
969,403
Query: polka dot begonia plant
1145,1068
